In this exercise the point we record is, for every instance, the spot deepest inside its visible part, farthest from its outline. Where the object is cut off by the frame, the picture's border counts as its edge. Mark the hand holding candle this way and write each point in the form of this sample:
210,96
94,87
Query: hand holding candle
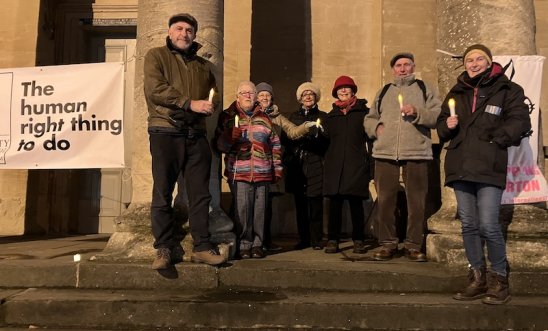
451,104
211,92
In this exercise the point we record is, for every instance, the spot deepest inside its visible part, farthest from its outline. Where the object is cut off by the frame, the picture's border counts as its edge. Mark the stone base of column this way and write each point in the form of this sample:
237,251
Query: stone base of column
525,226
133,238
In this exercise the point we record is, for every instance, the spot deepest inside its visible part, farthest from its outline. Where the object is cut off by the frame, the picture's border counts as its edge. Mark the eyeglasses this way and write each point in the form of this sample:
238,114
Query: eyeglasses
247,93
311,94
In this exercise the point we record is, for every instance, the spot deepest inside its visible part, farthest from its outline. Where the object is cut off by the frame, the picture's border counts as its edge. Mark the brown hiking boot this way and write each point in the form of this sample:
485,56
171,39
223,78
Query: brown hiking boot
498,290
477,285
163,259
211,257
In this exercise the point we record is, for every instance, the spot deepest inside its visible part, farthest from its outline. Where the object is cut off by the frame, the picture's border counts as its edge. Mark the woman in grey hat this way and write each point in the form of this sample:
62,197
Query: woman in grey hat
265,97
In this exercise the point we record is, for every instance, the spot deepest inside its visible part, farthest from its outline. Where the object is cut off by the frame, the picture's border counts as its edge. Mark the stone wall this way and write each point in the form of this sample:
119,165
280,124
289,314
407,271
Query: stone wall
351,37
18,32
541,39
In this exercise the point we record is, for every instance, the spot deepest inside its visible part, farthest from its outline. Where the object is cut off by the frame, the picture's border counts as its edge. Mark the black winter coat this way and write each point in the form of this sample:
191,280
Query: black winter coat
346,168
478,146
303,158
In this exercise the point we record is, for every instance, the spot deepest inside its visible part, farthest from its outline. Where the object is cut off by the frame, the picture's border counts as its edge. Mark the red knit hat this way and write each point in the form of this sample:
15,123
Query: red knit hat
341,82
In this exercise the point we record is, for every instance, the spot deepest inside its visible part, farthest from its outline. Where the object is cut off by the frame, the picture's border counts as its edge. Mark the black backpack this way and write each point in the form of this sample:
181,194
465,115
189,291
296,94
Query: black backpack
387,86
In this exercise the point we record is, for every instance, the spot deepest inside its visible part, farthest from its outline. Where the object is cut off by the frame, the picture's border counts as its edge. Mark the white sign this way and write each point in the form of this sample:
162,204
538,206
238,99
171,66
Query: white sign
62,117
525,182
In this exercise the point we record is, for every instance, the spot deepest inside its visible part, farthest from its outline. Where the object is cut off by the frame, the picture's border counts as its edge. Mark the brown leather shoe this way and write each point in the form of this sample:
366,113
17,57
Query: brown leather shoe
415,255
257,252
245,254
359,247
163,259
385,254
211,257
332,247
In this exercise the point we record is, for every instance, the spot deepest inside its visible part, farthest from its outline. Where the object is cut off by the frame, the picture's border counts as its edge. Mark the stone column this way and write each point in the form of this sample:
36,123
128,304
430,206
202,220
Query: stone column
506,27
133,238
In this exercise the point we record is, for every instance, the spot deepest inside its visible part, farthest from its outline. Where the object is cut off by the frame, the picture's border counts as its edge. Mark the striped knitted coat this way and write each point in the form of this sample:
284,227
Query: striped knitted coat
256,155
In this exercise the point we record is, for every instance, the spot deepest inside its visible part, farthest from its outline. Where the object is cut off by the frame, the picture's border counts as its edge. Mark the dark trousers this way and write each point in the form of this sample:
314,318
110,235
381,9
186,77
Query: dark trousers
387,184
335,217
309,218
171,156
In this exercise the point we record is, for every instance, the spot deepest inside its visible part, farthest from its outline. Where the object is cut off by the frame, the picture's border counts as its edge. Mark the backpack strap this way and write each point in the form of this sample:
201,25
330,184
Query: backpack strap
422,87
381,95
385,88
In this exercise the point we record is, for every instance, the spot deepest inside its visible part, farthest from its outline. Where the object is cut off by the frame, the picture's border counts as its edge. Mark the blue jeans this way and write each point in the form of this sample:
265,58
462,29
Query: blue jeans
478,206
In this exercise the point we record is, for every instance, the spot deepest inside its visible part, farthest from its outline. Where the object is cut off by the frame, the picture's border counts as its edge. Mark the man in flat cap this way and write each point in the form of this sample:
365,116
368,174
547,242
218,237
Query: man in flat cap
177,83
400,121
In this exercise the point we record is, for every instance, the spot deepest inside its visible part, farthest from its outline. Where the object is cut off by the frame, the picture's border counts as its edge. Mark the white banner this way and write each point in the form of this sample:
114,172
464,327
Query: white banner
62,117
524,182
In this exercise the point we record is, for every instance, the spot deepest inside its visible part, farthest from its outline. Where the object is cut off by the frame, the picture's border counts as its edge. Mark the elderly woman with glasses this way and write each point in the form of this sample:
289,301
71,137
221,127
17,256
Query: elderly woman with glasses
303,159
252,162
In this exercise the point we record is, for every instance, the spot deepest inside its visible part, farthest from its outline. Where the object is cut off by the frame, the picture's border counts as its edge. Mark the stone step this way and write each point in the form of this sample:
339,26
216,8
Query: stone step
263,309
337,275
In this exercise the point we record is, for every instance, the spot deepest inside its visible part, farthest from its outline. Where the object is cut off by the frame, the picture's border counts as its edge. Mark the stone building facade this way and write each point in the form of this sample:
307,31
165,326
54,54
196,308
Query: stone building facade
283,42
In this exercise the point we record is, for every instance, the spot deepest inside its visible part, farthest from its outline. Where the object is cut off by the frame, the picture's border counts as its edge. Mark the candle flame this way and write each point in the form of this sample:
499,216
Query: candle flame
211,92
236,121
318,123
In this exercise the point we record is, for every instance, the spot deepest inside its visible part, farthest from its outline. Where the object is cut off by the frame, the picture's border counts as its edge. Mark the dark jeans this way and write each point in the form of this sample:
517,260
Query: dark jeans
309,218
387,184
335,217
172,155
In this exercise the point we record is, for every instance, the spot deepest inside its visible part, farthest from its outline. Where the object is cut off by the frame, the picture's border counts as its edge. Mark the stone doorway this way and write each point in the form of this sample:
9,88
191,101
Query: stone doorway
71,201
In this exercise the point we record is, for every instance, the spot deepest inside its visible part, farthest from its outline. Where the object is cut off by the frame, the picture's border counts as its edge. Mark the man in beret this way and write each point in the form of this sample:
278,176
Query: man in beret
400,121
177,83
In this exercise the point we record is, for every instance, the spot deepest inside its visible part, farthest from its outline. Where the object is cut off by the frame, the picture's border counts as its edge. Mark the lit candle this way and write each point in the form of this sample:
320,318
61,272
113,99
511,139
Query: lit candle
451,104
211,92
318,122
236,121
400,100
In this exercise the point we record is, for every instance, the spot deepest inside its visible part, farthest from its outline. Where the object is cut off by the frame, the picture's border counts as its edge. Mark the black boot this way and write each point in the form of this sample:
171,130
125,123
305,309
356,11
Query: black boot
498,292
477,285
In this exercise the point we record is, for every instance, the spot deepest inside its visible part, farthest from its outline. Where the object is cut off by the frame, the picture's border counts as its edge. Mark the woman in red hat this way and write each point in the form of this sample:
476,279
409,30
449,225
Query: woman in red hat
346,167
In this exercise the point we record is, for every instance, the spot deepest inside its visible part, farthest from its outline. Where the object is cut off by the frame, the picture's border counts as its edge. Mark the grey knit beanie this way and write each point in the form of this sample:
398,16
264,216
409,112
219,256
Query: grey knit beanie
265,87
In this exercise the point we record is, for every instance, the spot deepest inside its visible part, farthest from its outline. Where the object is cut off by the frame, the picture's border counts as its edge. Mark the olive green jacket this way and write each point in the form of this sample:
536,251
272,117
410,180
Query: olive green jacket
171,81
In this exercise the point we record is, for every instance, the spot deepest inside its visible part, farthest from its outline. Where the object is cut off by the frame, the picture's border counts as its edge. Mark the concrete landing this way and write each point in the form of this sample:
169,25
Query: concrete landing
42,286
